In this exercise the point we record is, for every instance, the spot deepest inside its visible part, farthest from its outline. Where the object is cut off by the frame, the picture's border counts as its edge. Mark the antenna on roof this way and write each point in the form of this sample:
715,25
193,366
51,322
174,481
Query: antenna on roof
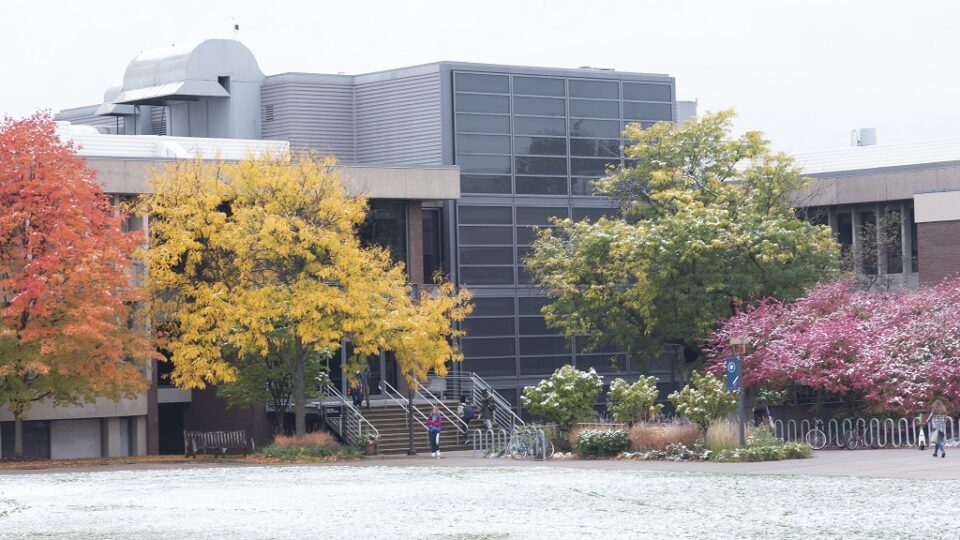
236,29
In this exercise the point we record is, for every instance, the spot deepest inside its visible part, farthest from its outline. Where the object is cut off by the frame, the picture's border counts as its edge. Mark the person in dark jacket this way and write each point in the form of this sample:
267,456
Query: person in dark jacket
487,408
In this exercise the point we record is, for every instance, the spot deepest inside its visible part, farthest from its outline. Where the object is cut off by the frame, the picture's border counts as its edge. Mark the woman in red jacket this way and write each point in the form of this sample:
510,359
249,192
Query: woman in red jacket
434,422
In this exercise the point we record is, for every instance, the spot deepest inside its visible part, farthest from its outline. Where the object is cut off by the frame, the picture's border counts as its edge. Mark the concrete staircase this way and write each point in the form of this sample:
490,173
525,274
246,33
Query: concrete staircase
391,422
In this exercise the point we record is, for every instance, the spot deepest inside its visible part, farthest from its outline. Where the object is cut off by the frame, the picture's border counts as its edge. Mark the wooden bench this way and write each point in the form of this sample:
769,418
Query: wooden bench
218,441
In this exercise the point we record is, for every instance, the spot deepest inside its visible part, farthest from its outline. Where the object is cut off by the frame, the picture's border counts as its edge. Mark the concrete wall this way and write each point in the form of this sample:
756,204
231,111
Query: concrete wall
878,185
74,439
44,410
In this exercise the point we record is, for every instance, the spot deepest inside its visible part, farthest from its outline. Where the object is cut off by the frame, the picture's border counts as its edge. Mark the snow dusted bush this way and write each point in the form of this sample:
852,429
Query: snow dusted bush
638,401
704,401
895,350
600,443
567,396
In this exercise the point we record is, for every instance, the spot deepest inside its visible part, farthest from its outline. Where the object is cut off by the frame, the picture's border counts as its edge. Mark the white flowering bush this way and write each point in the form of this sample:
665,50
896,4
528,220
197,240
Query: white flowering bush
567,396
631,402
601,443
704,400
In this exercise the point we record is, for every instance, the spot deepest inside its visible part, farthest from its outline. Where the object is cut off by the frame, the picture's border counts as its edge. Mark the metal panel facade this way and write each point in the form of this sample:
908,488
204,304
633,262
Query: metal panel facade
398,120
310,111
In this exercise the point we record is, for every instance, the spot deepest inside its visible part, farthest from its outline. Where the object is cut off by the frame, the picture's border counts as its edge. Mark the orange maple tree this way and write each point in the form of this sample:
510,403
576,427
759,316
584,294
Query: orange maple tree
67,299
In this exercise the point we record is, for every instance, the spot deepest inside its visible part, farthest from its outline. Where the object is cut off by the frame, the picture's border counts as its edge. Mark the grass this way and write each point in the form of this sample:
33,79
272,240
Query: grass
722,435
317,439
646,437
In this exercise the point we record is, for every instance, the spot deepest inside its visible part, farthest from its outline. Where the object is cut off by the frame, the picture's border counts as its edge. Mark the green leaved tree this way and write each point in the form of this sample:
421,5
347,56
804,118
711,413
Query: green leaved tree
566,397
704,400
705,225
631,402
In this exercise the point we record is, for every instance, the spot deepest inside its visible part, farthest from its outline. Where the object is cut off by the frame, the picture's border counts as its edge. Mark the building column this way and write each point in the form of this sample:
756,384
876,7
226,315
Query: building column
139,437
415,242
111,444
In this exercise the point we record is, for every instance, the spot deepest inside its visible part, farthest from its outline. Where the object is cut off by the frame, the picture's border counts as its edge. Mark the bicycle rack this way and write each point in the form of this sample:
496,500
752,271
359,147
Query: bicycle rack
485,441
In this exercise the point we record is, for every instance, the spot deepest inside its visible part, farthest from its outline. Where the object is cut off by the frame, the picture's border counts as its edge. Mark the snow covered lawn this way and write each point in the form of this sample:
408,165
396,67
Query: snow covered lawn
465,503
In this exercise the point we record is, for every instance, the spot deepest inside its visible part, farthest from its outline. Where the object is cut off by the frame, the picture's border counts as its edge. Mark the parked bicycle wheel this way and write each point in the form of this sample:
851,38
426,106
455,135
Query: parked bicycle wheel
816,438
852,441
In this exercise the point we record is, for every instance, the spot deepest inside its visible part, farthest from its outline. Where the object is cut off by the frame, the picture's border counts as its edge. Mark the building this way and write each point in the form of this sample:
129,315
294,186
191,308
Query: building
528,142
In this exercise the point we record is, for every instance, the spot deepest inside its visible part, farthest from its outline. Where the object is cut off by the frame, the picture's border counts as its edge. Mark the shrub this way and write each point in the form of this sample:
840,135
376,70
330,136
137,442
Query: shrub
291,453
791,450
567,396
597,443
637,401
704,400
647,437
317,439
722,435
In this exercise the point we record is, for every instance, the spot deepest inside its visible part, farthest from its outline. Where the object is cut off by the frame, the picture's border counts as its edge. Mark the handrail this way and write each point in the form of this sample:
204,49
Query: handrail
403,402
348,409
456,420
473,384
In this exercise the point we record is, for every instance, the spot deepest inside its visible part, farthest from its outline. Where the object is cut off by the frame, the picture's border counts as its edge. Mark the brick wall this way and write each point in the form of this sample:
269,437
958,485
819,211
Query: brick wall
938,248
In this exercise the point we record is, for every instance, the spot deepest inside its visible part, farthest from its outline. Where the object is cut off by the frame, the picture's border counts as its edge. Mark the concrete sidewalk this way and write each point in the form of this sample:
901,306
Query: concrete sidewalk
908,464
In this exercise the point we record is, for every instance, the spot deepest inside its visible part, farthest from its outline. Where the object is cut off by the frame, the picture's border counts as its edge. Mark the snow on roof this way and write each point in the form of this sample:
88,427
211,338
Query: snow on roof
92,143
880,156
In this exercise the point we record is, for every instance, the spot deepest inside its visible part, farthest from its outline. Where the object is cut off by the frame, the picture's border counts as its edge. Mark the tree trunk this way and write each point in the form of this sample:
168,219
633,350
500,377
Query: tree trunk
299,407
18,433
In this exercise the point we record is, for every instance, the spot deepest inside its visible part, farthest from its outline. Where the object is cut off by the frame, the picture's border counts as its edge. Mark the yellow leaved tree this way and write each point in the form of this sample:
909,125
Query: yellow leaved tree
263,255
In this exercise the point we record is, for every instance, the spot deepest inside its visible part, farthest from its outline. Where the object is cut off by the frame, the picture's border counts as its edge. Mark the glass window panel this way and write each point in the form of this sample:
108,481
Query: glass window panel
489,327
540,185
540,146
647,111
594,109
539,215
531,305
486,255
542,365
484,164
483,144
647,92
538,105
523,275
543,346
541,165
536,326
529,125
538,86
581,186
605,363
594,128
491,367
593,214
483,123
485,306
523,252
482,103
474,347
595,147
486,275
493,235
526,235
476,82
476,183
500,215
591,167
594,89
385,225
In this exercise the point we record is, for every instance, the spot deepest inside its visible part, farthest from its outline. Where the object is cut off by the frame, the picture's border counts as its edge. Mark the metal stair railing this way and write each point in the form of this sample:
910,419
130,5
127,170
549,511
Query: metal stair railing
393,395
434,401
472,385
351,425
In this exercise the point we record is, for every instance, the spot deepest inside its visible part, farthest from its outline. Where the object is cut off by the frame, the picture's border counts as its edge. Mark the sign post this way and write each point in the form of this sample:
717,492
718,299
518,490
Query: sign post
732,368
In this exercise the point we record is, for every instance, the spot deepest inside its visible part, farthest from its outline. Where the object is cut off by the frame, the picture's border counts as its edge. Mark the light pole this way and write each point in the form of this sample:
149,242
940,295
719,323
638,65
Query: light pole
739,346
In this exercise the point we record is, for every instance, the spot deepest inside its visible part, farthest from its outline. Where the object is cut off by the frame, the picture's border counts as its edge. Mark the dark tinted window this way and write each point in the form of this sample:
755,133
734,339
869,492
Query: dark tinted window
595,89
647,111
485,306
483,123
491,367
500,215
486,275
489,327
538,105
483,144
531,305
486,235
473,82
594,128
539,215
488,347
646,92
536,326
475,183
526,125
543,345
542,365
540,146
486,255
526,235
594,109
538,86
540,185
541,165
482,103
484,164
581,186
592,214
602,363
595,147
590,167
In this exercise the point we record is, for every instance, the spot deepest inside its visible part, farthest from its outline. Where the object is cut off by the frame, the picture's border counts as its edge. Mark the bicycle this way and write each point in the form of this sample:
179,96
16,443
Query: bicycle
816,438
528,441
857,437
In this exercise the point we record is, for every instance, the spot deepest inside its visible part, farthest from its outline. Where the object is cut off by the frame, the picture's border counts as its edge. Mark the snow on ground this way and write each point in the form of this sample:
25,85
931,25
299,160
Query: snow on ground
466,503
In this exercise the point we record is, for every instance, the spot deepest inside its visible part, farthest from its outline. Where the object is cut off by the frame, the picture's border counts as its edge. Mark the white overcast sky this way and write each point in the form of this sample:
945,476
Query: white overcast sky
803,72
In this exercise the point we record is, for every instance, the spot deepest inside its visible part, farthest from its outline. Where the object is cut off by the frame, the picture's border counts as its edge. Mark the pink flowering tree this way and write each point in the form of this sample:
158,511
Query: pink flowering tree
894,350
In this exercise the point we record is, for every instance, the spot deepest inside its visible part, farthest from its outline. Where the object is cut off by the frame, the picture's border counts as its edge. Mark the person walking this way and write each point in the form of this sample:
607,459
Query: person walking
487,407
465,413
938,426
434,424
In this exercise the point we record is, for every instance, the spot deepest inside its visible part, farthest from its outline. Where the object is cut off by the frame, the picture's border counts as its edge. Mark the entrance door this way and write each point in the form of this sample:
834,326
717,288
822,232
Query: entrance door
382,368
